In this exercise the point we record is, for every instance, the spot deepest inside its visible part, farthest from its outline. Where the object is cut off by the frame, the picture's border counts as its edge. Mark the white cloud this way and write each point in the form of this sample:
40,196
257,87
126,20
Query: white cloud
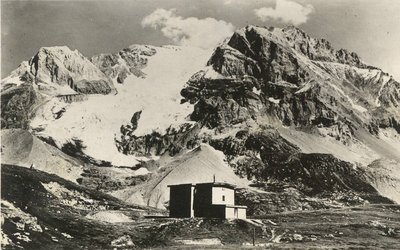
204,33
227,2
240,2
285,11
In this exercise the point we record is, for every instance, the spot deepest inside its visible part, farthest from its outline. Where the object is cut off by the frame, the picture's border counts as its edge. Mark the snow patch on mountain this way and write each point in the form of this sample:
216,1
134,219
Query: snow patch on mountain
11,79
97,121
356,152
271,99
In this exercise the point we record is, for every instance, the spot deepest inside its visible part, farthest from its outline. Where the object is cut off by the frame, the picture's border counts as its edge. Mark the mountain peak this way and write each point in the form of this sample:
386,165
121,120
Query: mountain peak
293,28
279,65
253,40
59,51
55,48
58,70
142,47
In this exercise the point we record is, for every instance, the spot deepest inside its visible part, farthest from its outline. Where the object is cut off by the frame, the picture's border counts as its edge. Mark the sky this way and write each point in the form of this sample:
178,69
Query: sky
368,27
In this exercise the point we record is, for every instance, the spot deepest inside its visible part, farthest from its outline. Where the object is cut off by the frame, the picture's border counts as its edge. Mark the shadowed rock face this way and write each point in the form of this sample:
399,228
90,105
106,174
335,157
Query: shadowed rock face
93,87
16,106
171,142
263,156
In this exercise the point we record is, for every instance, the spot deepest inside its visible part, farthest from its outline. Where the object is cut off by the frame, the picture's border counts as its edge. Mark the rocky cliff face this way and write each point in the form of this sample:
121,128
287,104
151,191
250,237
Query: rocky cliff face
266,156
17,106
172,141
286,75
59,70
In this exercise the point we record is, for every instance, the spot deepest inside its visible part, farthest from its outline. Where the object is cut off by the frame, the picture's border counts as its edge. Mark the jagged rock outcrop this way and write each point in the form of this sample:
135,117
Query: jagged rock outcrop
276,54
172,141
129,61
17,106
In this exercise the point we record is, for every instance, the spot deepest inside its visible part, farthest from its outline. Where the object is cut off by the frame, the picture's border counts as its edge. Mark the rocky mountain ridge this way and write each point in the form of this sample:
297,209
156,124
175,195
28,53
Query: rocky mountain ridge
58,71
299,80
127,61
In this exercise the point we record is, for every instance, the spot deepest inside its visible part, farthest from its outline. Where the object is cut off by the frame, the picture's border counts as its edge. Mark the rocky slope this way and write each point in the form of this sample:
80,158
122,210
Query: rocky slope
42,211
19,147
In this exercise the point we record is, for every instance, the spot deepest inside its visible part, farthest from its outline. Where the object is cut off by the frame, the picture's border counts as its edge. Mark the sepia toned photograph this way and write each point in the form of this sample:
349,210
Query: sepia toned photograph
200,124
